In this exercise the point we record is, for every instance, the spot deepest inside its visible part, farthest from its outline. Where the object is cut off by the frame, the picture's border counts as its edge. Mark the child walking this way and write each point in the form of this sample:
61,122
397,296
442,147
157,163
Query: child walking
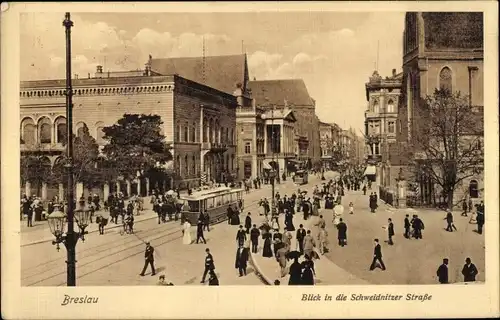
351,208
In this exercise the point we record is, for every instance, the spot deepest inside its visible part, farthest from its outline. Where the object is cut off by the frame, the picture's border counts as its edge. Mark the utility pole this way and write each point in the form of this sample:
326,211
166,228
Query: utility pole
71,236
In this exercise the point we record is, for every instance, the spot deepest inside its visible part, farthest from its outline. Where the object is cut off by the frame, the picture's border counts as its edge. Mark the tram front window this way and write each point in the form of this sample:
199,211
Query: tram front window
194,206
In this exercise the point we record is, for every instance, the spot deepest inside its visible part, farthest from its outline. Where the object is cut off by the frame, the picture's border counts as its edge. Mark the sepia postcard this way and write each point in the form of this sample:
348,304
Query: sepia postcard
347,150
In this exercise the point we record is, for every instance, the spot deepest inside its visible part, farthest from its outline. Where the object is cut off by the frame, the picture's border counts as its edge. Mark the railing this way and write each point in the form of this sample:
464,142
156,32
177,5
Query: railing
387,195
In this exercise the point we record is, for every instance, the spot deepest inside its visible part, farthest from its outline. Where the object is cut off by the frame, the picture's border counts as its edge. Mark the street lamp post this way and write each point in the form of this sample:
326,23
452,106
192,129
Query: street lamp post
58,218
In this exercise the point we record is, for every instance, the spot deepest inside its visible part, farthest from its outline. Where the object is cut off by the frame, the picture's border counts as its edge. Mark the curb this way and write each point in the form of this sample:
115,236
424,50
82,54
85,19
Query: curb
51,238
258,271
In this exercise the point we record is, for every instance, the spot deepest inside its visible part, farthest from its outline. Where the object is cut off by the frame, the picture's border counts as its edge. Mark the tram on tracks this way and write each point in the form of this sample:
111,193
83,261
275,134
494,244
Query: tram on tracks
214,201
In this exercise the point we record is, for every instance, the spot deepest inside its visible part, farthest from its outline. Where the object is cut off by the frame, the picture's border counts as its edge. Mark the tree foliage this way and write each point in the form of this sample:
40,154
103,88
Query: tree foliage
136,144
35,168
450,140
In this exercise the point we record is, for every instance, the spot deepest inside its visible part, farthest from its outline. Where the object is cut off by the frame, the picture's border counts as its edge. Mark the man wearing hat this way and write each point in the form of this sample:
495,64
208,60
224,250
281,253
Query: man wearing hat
149,259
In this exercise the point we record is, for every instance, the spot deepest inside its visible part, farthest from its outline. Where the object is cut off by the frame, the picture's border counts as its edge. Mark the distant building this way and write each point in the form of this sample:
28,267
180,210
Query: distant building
198,121
382,95
292,94
439,50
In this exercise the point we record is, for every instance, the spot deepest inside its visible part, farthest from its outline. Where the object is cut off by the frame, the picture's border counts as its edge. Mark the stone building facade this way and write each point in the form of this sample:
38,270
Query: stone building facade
382,95
440,50
198,121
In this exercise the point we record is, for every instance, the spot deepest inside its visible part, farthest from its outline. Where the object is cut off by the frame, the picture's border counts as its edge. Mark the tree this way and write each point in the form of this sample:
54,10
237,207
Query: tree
35,168
85,159
450,141
136,144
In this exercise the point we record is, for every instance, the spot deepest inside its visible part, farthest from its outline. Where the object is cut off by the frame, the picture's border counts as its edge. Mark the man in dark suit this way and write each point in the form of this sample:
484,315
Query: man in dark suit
407,227
418,226
390,231
241,260
469,271
149,259
301,234
254,238
248,222
241,236
342,233
442,272
377,256
480,222
449,221
209,265
199,232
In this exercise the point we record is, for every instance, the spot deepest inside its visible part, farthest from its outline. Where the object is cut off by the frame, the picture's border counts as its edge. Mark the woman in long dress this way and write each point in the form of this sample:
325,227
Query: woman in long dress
267,252
186,229
289,221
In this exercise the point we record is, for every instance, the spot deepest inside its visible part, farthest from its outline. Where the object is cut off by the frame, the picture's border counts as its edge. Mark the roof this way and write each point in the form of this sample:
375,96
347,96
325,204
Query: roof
223,73
293,91
61,83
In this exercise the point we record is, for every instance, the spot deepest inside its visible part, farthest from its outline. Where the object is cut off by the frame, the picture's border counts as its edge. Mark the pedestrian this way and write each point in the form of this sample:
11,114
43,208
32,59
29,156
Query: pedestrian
248,223
254,238
199,232
442,272
321,223
212,279
449,221
470,205
323,240
209,265
351,208
241,236
407,227
464,208
301,234
241,260
480,222
186,233
342,233
309,244
295,273
102,222
149,260
289,220
308,271
281,258
418,227
377,256
469,271
390,231
206,220
267,251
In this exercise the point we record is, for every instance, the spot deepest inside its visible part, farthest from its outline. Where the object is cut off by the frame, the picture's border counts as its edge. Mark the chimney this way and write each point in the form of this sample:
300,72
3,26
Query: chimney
99,69
108,74
393,72
89,75
76,75
147,70
254,79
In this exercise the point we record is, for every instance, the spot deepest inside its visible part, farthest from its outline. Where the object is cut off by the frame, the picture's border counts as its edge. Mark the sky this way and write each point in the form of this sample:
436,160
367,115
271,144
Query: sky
334,52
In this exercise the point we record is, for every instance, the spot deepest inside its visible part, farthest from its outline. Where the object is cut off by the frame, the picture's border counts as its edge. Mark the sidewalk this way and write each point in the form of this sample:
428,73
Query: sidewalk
327,272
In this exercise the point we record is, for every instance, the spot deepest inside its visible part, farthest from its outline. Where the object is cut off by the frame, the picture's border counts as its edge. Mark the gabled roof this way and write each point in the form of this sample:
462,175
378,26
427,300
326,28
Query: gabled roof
293,91
281,114
223,73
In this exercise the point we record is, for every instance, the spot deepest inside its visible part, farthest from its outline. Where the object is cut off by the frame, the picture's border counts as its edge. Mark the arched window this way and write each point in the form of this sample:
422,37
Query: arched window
99,134
186,132
178,132
186,165
390,106
80,129
376,108
28,131
473,189
45,130
193,165
192,136
445,79
61,130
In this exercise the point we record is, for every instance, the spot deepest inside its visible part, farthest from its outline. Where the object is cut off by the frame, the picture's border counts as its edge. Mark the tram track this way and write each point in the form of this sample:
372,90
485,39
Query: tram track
48,272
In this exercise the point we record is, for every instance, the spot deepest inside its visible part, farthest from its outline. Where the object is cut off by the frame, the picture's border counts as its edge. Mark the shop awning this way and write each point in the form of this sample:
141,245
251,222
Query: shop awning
370,170
266,165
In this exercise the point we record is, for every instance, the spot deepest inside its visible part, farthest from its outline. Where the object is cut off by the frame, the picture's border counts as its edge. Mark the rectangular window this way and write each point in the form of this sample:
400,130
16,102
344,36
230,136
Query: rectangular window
377,151
248,148
391,127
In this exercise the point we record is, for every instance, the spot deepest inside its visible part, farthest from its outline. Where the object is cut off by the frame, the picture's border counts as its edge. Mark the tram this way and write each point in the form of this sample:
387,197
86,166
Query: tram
301,177
213,201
